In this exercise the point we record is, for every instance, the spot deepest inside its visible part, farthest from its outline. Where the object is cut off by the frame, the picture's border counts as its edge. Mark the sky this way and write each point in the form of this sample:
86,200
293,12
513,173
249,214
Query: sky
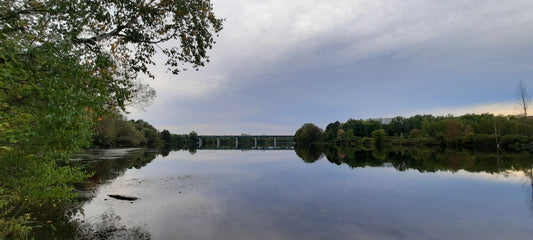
280,64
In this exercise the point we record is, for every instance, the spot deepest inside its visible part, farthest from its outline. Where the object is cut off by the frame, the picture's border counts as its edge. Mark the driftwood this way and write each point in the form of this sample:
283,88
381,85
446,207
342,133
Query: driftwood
122,197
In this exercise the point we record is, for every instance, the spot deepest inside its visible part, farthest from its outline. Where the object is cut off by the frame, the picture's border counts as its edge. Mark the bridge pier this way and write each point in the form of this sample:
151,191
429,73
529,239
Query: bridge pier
275,145
218,142
236,142
200,142
255,142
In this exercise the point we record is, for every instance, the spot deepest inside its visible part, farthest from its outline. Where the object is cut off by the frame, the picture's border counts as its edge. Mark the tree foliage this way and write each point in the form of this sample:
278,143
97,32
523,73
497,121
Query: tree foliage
66,64
116,38
470,130
308,134
118,132
128,32
166,136
378,137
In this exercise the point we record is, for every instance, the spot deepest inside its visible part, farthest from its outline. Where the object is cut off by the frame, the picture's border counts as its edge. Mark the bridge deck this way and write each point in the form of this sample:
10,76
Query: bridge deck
257,136
257,139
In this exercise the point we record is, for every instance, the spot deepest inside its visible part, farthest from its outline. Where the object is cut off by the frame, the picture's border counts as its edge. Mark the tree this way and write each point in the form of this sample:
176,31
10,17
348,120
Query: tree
105,132
153,137
398,126
523,97
308,134
166,137
127,135
378,137
415,133
357,126
345,137
433,128
452,129
371,126
47,110
330,135
128,30
66,63
193,139
415,122
117,37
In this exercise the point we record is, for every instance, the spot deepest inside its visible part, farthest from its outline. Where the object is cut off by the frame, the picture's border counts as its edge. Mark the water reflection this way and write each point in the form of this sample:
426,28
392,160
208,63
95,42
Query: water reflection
309,154
109,227
421,159
382,194
107,165
425,160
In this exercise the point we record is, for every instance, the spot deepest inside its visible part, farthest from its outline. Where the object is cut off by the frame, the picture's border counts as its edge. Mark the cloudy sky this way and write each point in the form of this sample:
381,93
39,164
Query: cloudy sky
279,64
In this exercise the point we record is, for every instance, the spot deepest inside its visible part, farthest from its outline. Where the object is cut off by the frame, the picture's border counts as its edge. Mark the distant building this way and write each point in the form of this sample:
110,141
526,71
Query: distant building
381,120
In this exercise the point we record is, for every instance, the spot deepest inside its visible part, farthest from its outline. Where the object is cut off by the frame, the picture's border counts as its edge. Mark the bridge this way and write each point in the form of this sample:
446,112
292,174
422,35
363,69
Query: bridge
258,140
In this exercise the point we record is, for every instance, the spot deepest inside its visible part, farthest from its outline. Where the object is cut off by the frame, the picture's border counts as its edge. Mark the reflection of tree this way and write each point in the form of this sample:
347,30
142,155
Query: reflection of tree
192,150
420,154
309,154
109,227
379,153
108,168
531,180
165,151
115,166
332,154
423,159
529,174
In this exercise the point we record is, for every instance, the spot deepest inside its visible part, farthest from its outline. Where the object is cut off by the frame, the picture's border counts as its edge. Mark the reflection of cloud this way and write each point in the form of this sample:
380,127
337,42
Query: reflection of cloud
507,176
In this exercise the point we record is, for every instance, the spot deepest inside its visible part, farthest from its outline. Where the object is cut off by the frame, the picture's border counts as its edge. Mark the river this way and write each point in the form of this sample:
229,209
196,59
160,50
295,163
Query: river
274,194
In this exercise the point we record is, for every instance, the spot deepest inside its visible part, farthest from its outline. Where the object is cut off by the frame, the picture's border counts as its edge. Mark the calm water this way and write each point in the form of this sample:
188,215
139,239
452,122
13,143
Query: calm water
273,194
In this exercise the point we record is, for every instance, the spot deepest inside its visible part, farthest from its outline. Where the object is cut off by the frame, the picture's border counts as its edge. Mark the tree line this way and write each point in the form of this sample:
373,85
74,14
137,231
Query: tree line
117,131
470,130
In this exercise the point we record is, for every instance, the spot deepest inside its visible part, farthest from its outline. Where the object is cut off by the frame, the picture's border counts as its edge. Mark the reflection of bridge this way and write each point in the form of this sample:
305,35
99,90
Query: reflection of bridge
248,149
274,139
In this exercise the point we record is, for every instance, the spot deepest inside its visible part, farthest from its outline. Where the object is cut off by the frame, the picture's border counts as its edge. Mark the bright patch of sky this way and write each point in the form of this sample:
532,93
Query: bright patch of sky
279,64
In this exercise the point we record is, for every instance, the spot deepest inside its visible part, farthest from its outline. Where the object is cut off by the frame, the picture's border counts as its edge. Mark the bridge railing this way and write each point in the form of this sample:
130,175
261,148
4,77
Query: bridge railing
246,141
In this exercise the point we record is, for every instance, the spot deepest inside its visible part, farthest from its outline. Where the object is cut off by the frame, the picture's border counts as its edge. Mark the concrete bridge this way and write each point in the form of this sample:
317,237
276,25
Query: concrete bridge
286,139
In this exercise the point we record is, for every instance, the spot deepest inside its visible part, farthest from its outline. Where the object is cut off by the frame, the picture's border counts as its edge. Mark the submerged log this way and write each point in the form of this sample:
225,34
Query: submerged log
122,197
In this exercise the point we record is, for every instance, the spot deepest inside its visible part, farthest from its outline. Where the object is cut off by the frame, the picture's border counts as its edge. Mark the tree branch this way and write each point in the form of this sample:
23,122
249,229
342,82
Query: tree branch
95,39
17,12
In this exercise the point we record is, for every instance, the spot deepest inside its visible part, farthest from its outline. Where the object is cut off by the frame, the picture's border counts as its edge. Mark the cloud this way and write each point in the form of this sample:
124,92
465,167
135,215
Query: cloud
506,108
254,128
289,62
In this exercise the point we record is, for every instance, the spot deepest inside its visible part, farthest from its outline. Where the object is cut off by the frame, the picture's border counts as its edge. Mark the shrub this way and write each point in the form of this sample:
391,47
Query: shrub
378,137
513,141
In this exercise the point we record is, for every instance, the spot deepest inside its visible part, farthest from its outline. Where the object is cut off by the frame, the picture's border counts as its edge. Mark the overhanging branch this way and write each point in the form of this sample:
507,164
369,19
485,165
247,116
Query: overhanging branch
95,39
